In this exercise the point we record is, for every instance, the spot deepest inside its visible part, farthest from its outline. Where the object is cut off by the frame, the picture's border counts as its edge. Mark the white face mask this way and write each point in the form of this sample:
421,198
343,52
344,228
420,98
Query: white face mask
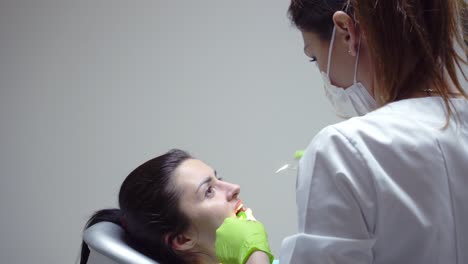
352,101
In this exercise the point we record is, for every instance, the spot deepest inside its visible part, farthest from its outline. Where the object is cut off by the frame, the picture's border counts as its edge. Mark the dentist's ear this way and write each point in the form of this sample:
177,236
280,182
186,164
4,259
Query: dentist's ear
180,242
346,31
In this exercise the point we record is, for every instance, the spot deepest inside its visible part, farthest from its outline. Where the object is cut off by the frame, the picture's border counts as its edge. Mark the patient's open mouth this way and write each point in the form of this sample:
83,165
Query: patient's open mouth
239,207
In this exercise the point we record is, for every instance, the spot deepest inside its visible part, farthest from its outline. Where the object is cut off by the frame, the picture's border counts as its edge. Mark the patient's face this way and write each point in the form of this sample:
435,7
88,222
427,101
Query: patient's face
205,199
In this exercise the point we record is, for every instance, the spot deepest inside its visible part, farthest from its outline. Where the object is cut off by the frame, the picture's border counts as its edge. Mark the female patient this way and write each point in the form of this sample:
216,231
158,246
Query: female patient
171,207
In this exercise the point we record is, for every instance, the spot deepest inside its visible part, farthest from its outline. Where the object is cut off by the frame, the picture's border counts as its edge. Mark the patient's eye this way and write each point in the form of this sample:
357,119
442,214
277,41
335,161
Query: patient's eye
313,59
209,193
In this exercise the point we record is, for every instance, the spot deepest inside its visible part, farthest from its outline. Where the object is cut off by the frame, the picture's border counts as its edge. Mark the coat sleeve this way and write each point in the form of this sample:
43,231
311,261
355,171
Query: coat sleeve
336,201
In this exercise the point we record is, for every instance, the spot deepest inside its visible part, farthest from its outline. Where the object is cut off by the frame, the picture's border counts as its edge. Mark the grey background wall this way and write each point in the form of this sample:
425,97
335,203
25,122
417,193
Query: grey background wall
91,89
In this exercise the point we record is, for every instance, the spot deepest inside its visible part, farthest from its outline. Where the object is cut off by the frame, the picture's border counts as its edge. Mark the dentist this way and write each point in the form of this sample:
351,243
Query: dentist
389,184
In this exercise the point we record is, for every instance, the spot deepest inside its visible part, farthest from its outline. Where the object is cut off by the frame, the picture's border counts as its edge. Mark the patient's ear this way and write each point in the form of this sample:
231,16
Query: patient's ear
180,242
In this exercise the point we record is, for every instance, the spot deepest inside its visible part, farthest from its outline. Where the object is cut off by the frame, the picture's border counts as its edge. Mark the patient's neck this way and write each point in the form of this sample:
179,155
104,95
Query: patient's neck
205,255
207,259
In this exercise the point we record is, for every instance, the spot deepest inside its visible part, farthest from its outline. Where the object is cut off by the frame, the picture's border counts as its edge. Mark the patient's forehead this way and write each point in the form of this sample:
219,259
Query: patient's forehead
191,173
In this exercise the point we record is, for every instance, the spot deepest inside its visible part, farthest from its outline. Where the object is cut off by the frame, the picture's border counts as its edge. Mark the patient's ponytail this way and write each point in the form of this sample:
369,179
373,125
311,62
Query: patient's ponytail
107,215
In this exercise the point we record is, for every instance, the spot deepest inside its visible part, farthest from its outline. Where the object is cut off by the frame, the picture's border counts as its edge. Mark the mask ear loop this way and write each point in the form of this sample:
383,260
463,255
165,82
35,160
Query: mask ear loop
357,60
356,63
330,50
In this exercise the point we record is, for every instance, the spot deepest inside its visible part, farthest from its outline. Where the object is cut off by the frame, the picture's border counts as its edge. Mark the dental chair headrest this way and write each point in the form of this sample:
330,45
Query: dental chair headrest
108,243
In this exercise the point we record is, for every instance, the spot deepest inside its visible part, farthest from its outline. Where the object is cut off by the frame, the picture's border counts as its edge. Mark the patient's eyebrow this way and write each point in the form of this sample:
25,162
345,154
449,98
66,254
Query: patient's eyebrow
207,180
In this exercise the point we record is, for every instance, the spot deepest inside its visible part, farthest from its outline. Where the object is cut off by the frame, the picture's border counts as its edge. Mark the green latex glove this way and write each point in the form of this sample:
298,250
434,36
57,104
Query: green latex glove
237,239
298,154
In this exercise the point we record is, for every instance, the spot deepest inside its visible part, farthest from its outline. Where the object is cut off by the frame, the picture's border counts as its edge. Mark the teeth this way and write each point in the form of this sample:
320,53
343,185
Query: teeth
239,208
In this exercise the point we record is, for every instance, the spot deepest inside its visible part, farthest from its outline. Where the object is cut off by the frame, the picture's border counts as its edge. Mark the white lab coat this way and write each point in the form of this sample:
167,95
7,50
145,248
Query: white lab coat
387,187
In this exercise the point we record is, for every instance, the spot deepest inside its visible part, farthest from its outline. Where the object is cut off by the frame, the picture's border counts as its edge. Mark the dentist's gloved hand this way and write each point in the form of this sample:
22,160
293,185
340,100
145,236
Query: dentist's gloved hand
237,238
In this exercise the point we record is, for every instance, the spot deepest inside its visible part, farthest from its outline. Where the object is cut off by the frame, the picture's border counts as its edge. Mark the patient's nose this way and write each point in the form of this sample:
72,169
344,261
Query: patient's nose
233,191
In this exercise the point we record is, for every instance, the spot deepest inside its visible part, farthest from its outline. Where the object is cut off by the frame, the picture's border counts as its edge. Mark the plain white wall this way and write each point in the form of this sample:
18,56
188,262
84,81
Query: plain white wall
91,89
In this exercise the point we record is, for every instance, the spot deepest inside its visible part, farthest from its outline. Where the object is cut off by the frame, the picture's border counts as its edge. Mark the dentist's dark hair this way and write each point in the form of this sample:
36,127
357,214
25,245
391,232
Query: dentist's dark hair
411,42
149,210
